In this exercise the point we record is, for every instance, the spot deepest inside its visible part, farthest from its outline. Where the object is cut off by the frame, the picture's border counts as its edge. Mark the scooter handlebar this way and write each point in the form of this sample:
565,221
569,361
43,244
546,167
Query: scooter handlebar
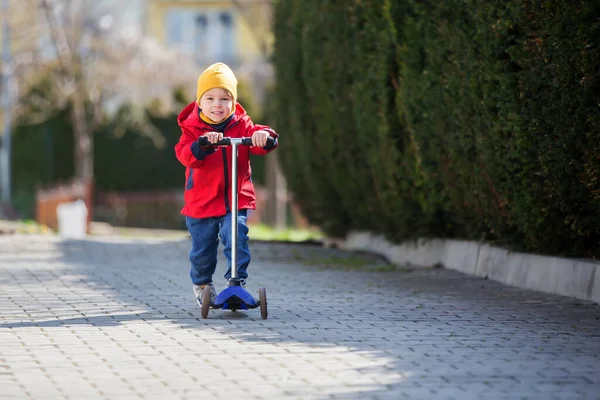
226,141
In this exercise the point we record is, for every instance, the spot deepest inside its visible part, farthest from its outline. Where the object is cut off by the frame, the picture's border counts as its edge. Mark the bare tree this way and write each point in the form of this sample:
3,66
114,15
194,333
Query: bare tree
92,65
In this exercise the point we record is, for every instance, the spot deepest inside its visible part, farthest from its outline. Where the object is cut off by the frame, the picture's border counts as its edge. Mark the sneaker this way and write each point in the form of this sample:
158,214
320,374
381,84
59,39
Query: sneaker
199,289
242,282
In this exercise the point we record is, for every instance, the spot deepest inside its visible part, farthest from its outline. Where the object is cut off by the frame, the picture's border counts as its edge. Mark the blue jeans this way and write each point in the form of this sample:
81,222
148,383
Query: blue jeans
205,233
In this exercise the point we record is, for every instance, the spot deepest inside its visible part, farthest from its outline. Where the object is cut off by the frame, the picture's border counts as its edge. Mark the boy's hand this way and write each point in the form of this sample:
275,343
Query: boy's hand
214,137
259,138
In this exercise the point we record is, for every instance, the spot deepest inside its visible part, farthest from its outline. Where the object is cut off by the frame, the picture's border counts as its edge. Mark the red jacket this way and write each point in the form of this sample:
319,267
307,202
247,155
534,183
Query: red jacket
208,172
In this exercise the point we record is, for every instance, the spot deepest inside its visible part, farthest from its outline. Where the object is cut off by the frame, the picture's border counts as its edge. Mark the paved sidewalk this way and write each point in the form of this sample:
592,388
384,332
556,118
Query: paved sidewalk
114,318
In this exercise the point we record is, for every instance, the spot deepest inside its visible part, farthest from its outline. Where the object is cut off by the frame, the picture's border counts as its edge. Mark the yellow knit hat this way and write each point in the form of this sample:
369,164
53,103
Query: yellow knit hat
218,75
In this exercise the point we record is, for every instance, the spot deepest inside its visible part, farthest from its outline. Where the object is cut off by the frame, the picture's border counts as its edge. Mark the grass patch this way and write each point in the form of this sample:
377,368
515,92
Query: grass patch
29,226
267,233
351,261
347,261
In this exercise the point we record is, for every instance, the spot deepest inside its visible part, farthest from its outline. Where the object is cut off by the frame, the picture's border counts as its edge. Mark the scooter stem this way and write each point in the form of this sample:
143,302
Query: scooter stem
234,209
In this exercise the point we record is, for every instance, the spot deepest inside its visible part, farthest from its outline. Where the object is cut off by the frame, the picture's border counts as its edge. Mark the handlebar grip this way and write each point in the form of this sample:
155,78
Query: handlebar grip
248,141
203,141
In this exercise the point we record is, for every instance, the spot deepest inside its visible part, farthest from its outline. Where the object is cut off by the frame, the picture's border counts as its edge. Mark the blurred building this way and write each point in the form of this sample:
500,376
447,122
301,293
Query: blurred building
210,31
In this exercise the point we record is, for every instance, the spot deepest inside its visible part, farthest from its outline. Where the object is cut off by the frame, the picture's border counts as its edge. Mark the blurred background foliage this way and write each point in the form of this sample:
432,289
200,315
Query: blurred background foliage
462,119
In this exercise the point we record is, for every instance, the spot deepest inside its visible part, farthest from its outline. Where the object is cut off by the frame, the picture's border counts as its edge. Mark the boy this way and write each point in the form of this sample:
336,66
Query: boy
207,196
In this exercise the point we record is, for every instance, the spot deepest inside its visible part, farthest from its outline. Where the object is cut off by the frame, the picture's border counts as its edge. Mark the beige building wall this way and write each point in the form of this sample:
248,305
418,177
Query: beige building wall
159,14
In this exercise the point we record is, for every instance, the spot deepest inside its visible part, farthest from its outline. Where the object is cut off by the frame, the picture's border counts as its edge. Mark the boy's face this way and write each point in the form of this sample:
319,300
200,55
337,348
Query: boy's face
216,104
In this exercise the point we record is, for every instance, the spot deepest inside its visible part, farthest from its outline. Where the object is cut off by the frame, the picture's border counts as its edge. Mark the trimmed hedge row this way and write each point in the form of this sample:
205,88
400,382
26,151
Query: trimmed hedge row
464,118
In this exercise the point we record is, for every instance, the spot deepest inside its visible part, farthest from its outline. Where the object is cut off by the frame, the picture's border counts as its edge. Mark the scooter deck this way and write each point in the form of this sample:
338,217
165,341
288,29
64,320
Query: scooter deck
235,298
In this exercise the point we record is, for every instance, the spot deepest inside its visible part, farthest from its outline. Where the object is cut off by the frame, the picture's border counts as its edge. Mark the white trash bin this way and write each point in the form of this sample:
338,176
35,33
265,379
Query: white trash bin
72,219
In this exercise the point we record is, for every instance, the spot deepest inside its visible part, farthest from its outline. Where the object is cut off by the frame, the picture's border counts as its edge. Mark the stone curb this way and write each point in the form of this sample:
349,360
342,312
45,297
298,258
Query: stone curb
568,277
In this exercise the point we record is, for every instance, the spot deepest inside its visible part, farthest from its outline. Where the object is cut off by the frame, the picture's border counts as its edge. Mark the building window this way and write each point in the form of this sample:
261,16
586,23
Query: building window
227,48
175,34
209,34
200,32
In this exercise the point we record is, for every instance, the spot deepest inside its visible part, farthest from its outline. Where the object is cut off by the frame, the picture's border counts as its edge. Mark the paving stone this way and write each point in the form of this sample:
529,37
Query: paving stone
115,318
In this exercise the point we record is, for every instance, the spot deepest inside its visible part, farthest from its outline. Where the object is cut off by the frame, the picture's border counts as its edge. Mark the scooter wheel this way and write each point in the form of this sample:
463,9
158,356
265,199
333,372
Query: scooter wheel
205,303
262,300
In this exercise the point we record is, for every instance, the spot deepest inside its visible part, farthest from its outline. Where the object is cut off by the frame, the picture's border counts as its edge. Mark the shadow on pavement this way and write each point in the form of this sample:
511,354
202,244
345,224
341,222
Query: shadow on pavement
421,327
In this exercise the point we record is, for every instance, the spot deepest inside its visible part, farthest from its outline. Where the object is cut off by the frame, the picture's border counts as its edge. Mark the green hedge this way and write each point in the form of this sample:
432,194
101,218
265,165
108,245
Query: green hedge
557,194
464,118
323,102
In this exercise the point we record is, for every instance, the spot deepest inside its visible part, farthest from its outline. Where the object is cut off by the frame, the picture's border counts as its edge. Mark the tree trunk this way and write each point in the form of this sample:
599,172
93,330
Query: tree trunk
71,65
84,145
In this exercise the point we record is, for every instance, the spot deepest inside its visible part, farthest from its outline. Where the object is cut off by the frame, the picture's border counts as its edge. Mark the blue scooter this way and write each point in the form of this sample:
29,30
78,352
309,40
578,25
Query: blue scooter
235,296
